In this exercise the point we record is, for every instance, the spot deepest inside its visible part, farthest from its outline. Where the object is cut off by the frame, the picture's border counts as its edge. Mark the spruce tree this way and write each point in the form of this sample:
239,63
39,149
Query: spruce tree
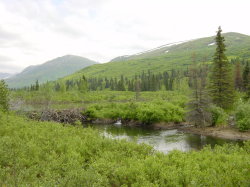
221,88
248,89
137,89
245,76
238,77
37,85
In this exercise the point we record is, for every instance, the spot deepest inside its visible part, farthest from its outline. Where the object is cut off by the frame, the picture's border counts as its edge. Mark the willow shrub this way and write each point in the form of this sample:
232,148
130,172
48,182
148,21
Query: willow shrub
146,113
50,154
219,116
242,115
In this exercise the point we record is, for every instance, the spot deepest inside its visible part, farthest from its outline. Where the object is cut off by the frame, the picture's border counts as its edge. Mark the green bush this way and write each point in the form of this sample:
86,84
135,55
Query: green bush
146,113
242,115
90,113
219,116
4,96
149,114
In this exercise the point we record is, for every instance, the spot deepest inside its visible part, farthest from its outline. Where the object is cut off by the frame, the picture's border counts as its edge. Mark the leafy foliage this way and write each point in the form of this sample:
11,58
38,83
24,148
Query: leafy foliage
4,96
49,154
243,116
146,113
219,116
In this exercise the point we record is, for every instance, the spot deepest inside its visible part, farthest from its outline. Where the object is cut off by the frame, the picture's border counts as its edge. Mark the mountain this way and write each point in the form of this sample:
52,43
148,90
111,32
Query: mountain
4,75
48,71
171,56
120,58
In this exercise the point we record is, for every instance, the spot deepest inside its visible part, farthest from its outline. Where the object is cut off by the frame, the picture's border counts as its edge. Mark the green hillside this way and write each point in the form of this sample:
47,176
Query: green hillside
168,57
49,71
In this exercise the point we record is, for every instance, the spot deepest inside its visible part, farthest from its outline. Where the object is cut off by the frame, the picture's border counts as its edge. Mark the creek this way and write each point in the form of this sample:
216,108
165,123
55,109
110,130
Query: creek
161,140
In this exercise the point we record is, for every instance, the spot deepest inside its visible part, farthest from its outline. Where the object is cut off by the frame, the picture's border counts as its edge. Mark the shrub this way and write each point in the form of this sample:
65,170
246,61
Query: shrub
149,114
219,116
90,113
242,115
146,113
4,93
48,154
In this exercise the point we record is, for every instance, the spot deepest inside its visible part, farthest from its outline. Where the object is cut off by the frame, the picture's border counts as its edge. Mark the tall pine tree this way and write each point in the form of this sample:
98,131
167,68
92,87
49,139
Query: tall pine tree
245,76
222,87
238,77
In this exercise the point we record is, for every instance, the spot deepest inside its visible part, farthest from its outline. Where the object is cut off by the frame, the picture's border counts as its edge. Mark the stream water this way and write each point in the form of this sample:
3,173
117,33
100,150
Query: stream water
162,140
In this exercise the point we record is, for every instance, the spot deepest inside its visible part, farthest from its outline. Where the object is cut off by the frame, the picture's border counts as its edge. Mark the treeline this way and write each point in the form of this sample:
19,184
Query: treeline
146,81
60,85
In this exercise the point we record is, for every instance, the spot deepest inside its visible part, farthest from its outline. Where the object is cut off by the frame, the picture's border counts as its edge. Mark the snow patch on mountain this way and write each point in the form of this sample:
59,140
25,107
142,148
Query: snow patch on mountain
211,44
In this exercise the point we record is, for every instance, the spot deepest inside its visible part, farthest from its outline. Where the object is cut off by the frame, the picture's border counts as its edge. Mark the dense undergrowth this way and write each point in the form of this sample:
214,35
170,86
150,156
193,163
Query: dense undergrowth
49,154
145,113
242,115
150,107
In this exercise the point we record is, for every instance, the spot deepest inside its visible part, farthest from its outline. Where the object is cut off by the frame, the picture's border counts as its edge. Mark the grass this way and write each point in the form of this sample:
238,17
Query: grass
61,100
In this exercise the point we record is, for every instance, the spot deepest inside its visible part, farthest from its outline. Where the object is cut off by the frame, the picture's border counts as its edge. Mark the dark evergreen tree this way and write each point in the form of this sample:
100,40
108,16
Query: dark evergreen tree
112,86
238,77
137,89
248,88
37,85
245,76
82,84
165,80
221,88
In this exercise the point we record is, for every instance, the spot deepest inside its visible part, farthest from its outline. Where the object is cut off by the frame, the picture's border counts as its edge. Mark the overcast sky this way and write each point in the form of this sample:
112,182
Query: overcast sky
35,31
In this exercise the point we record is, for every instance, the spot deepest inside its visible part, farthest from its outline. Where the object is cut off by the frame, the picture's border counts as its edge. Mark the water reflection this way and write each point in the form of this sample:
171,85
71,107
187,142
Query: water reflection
164,140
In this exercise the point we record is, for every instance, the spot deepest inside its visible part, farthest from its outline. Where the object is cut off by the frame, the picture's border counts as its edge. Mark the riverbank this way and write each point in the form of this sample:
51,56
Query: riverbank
230,133
225,132
69,116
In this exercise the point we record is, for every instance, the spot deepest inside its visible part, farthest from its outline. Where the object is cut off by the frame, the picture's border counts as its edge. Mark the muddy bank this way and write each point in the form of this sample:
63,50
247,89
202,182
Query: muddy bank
230,133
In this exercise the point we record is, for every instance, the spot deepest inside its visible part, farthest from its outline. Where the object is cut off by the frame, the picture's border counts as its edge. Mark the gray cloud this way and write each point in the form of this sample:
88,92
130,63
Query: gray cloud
34,31
5,59
9,68
6,35
7,38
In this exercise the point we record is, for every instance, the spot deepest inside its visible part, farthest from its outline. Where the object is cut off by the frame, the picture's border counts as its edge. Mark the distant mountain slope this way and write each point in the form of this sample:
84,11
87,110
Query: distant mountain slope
233,41
51,70
168,57
4,75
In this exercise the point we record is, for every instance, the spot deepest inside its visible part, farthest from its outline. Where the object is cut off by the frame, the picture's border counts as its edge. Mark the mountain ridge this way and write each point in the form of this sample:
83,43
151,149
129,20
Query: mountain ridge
49,71
169,57
169,45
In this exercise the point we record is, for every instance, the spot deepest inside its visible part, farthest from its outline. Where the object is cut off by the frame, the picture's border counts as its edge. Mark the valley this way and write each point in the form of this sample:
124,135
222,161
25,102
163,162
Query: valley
156,118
